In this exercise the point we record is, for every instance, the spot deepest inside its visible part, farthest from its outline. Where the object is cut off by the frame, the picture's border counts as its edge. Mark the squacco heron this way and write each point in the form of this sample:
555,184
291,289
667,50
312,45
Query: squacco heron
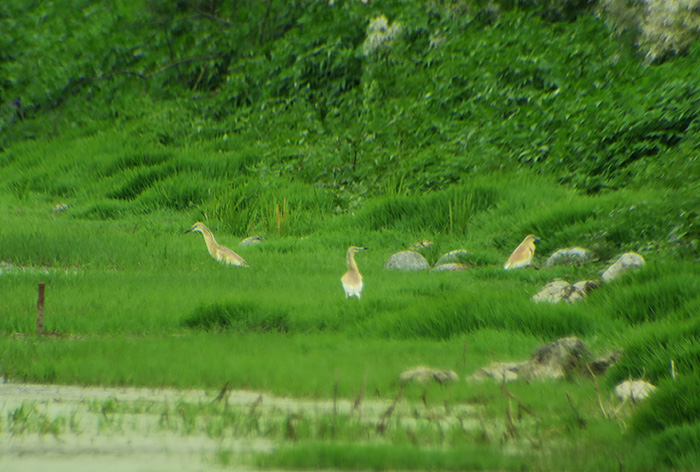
522,256
217,251
352,279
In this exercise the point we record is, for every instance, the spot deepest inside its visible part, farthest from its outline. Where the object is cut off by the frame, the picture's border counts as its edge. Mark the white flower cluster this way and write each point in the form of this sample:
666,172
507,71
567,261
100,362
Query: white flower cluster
380,34
669,26
663,26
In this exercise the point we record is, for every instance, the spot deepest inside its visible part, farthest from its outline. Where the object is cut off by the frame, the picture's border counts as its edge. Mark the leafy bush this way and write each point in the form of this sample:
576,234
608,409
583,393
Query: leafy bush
455,94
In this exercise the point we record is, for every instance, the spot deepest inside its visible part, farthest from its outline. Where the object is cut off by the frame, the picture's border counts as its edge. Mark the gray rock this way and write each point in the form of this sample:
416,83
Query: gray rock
601,365
550,361
557,359
571,256
450,267
499,371
559,291
250,241
587,286
5,267
424,375
421,245
407,261
634,390
60,207
456,256
626,262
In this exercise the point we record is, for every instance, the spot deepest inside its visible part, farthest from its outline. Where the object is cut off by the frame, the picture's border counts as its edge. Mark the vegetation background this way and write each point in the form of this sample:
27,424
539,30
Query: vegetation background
317,125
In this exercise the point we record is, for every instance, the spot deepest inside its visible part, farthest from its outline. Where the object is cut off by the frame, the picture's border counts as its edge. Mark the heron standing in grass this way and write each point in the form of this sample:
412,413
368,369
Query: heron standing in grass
217,251
522,256
352,279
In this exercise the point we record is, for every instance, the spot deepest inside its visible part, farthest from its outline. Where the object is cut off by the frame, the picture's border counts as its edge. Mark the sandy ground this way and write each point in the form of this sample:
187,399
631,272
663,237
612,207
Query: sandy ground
135,444
133,441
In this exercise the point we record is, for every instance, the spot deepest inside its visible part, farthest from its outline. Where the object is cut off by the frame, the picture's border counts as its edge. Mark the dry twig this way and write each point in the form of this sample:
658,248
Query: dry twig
597,391
580,421
384,420
521,406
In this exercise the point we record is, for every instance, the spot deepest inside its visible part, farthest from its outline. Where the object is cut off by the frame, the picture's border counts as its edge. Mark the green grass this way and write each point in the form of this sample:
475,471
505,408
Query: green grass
132,300
29,418
668,423
162,279
353,456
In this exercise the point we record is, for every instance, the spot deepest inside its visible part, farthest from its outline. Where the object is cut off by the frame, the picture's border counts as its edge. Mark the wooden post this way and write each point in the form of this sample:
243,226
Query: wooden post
40,310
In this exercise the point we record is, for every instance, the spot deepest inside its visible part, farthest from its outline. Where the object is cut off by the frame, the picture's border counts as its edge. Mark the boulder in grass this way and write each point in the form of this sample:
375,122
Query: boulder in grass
421,245
423,375
634,390
601,365
251,240
587,286
499,371
407,261
60,207
556,360
570,256
559,291
456,256
626,262
450,267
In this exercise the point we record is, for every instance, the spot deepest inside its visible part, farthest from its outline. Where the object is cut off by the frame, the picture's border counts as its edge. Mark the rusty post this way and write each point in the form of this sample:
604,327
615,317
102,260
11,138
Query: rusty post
40,310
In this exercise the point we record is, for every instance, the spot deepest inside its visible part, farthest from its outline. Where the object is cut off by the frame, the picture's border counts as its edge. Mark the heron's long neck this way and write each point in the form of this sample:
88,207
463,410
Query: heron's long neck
209,239
351,262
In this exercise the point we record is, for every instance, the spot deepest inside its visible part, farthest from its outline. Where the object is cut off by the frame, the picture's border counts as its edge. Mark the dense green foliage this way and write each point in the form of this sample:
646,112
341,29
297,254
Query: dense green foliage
319,126
482,92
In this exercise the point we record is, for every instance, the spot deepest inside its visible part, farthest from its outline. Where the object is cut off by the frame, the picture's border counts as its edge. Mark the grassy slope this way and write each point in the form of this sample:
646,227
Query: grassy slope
135,301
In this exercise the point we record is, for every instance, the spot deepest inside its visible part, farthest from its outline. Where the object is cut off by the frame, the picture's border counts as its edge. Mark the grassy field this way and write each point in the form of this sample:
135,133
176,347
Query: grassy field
133,301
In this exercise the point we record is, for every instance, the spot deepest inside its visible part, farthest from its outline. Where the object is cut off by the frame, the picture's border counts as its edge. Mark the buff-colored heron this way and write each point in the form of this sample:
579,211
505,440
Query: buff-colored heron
522,256
352,279
219,252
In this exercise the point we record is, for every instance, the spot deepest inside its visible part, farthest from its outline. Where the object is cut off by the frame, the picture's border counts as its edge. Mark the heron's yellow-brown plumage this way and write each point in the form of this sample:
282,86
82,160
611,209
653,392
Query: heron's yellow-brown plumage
523,254
352,279
218,251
